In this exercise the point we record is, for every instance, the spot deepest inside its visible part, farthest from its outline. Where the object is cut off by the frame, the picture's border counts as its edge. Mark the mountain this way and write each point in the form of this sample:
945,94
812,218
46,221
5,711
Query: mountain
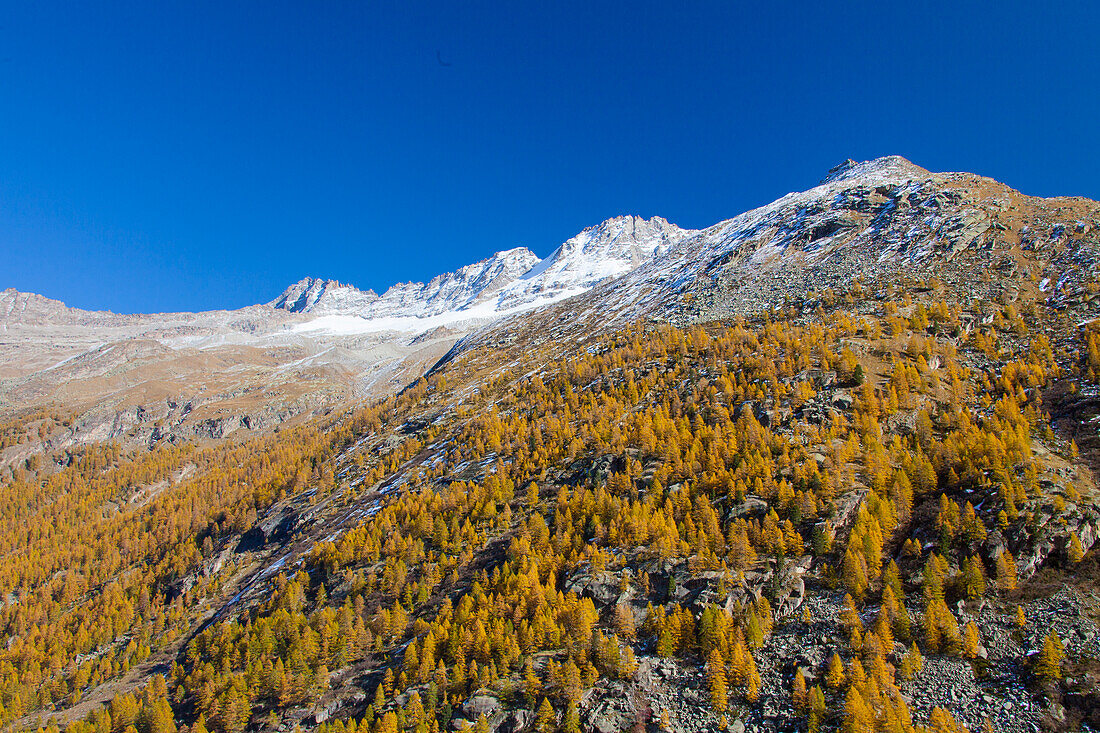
865,221
310,294
319,344
870,223
829,465
508,282
452,291
322,343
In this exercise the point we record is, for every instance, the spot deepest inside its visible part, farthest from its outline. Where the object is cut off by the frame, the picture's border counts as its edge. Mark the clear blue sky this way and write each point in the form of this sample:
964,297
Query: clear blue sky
162,156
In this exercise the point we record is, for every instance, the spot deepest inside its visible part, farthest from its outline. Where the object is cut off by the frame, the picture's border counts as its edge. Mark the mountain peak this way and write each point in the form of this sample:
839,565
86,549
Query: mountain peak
892,165
28,307
609,249
305,294
622,238
510,263
632,224
457,290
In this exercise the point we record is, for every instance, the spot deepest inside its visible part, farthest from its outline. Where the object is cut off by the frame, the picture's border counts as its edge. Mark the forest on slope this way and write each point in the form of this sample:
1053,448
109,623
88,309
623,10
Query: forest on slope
799,519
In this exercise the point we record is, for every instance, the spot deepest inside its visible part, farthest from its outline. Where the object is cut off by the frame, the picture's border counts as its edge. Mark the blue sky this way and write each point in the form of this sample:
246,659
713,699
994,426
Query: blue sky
164,156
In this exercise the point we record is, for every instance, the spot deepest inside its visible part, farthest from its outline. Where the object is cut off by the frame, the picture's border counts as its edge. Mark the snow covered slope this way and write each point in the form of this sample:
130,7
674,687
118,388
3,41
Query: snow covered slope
509,282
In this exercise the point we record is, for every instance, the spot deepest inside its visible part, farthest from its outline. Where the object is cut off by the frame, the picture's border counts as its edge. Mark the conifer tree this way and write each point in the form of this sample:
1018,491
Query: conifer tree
1006,572
716,681
817,709
971,641
624,622
1048,662
545,718
834,675
571,681
532,685
571,722
974,577
799,698
1074,550
752,691
858,716
738,663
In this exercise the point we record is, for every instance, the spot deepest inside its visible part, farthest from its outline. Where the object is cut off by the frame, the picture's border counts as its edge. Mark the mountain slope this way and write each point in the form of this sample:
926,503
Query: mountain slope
595,531
843,494
869,226
326,343
319,344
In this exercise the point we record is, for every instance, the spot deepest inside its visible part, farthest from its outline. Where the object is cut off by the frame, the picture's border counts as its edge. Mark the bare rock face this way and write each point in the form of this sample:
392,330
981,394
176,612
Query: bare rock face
513,722
479,705
305,294
608,708
602,588
1050,537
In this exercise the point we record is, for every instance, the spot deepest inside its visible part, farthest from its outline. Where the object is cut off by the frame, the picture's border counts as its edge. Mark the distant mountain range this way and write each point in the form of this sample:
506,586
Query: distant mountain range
508,282
322,343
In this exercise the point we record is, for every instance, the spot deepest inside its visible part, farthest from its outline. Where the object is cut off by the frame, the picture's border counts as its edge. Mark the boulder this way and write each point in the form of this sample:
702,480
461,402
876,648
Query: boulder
752,506
601,587
478,705
607,709
516,721
841,401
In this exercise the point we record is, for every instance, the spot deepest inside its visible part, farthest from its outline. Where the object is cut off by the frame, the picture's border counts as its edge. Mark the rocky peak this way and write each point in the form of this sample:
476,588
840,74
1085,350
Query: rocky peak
507,265
311,293
458,289
624,233
508,280
892,166
302,295
608,249
22,309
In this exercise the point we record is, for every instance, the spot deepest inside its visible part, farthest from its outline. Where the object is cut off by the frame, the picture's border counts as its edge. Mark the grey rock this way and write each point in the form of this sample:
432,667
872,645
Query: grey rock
479,705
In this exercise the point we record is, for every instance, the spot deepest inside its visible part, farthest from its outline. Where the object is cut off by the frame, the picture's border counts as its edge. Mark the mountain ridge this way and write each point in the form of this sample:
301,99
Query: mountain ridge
604,250
321,340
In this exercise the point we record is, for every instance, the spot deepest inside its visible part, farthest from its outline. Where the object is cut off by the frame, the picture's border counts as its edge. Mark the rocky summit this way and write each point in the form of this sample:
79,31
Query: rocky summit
828,465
